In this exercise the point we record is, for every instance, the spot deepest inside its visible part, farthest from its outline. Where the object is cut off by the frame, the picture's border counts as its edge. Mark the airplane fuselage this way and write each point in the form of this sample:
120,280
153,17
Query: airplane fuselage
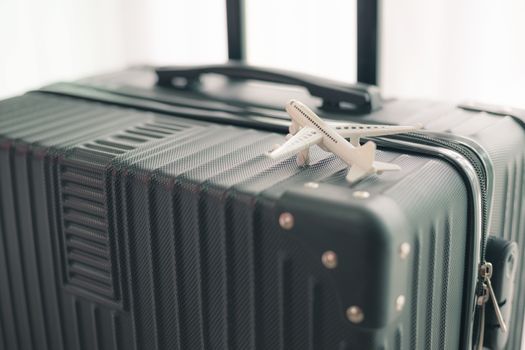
332,141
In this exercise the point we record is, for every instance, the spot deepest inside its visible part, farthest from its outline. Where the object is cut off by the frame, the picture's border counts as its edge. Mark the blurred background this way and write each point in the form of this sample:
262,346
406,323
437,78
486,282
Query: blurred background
439,49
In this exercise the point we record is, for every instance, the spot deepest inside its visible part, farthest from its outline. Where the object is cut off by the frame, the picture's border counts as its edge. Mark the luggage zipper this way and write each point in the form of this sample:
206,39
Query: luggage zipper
480,169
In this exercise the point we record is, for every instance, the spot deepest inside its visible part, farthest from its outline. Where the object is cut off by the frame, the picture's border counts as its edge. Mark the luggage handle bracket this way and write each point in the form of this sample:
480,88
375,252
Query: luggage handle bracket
336,96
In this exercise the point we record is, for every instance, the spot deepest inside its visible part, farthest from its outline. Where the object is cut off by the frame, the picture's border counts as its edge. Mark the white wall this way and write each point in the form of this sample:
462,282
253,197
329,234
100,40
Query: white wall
449,49
46,41
42,41
174,32
317,37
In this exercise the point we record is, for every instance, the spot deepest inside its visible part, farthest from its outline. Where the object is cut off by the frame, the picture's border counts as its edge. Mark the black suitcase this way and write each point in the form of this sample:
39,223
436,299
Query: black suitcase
142,216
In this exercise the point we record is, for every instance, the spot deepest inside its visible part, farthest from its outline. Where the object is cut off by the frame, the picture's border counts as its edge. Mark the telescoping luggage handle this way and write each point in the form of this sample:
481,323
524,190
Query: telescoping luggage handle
362,98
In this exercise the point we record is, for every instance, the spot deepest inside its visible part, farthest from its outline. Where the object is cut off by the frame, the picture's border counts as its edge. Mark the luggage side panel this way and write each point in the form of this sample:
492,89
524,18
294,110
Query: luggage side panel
505,142
198,256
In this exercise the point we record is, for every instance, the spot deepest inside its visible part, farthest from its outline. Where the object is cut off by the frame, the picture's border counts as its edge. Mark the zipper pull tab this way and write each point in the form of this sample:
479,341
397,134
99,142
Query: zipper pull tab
485,272
484,296
482,301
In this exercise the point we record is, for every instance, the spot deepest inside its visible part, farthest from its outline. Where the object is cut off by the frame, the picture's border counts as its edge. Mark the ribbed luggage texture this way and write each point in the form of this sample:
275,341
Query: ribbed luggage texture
122,229
509,213
504,141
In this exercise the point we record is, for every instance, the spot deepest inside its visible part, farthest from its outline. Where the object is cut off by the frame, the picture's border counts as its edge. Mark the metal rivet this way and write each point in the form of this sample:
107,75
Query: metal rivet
355,314
400,302
404,250
286,221
329,259
313,185
361,194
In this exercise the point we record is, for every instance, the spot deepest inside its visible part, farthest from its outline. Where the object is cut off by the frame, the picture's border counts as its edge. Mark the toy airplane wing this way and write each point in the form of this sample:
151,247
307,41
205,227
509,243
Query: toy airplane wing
355,131
305,138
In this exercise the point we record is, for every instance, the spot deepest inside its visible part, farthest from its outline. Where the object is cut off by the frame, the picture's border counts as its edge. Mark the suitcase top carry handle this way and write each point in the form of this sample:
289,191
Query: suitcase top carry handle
362,98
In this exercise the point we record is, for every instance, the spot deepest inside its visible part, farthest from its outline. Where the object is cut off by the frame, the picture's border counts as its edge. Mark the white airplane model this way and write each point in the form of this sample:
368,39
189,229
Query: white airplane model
308,129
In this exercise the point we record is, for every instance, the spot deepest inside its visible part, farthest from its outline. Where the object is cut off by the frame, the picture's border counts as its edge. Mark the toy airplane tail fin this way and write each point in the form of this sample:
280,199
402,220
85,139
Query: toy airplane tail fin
364,156
363,164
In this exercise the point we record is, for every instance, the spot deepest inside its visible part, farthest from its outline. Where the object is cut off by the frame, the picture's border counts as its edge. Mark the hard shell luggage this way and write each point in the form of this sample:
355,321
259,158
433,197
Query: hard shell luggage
139,212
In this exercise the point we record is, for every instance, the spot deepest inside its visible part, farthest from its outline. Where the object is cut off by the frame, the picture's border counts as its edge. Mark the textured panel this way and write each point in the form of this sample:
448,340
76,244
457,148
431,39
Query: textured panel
90,257
86,236
37,312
